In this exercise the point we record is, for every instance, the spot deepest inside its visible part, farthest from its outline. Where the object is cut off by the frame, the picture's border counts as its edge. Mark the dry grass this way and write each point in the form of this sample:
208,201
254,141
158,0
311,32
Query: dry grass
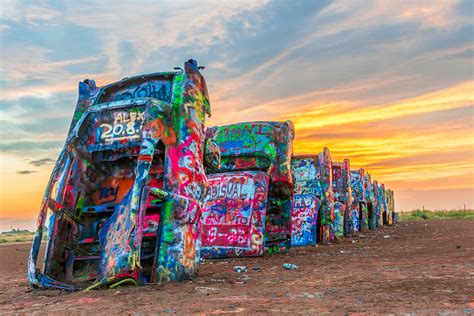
16,237
438,214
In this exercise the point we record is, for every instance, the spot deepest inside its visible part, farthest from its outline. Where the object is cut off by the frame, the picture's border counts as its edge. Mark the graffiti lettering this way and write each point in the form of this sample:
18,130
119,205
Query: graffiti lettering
108,193
127,126
154,89
232,189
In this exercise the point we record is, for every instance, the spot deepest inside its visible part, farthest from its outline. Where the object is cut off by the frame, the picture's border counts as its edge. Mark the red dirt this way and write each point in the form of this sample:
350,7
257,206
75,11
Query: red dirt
425,267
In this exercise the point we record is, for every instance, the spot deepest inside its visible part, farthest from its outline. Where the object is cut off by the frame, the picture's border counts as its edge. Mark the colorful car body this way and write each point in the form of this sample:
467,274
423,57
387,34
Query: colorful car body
388,214
380,204
360,221
392,207
371,201
383,201
307,200
251,191
341,184
327,218
124,198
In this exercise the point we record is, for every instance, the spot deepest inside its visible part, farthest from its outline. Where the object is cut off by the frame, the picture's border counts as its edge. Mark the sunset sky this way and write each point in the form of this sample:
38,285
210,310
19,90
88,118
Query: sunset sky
387,84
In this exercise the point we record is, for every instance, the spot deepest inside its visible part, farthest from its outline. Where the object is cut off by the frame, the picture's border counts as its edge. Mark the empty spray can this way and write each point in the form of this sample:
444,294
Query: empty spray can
290,266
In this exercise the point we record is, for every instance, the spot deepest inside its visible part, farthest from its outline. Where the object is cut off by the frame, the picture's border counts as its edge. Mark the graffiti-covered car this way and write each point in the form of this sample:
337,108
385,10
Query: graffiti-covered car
249,201
124,199
389,204
327,218
359,202
341,183
392,207
371,201
380,203
307,200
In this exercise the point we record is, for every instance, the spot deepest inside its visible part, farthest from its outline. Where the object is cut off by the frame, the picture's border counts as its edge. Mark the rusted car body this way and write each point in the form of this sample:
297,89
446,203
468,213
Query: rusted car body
249,203
341,184
307,200
124,199
360,221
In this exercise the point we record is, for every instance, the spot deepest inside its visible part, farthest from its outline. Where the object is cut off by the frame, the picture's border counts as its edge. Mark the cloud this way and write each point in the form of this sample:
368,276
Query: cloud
388,85
449,98
23,172
42,162
163,24
28,146
16,11
360,47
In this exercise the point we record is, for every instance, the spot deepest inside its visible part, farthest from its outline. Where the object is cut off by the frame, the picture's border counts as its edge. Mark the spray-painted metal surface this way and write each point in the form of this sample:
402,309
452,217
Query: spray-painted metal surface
371,201
379,205
383,208
124,199
341,183
391,207
327,218
307,200
395,214
359,210
259,146
234,217
389,204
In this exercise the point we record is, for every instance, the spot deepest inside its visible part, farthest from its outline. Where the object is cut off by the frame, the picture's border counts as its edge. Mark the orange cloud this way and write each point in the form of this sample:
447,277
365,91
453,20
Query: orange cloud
399,143
460,95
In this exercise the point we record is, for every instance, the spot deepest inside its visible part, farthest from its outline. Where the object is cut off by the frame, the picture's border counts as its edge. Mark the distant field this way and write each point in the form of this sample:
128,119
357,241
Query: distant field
16,237
439,214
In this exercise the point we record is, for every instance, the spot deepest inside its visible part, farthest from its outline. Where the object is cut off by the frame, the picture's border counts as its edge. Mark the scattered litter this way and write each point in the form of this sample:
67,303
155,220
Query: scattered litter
305,295
342,251
202,260
290,266
386,236
205,289
256,269
240,269
169,310
353,241
217,280
362,236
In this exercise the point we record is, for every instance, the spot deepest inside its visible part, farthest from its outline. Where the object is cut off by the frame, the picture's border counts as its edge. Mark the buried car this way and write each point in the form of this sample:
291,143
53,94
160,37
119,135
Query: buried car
249,201
307,200
359,202
371,201
124,198
326,233
341,183
389,205
380,203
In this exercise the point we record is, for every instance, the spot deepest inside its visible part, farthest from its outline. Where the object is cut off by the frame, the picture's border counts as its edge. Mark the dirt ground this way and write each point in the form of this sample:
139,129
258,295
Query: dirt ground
423,267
